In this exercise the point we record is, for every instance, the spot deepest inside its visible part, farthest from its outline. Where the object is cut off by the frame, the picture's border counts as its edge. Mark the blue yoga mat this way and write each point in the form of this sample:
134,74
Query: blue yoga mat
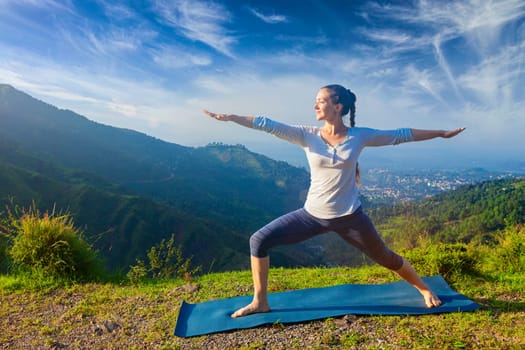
397,298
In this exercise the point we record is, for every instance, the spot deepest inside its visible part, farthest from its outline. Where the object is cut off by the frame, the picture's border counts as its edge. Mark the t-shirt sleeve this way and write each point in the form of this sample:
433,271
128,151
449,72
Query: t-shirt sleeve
290,133
374,137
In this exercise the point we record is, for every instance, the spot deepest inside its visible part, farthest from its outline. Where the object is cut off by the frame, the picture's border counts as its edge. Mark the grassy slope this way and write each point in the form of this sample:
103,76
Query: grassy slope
113,316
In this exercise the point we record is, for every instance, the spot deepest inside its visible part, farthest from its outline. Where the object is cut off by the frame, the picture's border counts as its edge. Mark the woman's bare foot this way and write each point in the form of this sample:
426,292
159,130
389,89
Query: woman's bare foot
408,273
252,308
431,300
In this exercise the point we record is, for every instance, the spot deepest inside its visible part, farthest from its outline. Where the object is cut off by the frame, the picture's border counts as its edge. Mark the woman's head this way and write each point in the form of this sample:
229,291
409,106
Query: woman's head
345,97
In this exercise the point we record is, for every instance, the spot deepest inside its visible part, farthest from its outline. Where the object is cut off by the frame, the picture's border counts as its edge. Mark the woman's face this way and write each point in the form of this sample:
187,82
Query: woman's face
324,108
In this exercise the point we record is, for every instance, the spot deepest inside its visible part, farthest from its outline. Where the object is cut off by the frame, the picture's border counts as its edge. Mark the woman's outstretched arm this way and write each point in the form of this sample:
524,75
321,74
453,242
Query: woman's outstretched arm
420,135
246,121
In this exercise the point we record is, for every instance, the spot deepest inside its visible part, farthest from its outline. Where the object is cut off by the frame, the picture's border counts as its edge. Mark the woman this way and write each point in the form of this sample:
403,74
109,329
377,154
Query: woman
332,203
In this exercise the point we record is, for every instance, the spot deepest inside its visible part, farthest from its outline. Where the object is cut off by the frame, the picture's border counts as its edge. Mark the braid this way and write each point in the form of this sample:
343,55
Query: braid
353,98
352,108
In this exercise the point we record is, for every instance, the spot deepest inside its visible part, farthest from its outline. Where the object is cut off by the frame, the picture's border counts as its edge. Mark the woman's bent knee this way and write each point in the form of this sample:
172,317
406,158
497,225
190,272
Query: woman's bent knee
394,262
257,248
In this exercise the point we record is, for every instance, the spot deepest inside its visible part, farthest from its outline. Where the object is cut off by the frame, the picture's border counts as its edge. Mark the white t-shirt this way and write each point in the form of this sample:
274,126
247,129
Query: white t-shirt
333,191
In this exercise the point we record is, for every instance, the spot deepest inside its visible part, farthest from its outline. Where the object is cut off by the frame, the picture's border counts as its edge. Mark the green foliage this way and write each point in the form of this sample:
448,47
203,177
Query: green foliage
4,243
508,255
462,215
50,245
452,261
3,255
165,260
137,273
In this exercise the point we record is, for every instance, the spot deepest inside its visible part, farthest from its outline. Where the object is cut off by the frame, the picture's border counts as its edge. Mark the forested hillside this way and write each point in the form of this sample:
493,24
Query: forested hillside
471,212
121,225
128,190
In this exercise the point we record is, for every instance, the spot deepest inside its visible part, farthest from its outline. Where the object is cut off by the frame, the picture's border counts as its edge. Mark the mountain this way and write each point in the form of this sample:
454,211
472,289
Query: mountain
129,190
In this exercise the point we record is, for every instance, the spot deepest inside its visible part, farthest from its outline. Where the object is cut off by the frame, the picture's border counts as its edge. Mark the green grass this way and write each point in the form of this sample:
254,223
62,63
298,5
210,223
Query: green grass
48,311
144,315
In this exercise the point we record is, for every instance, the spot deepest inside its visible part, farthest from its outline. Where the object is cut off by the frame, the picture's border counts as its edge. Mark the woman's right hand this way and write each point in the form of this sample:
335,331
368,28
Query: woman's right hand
221,117
241,120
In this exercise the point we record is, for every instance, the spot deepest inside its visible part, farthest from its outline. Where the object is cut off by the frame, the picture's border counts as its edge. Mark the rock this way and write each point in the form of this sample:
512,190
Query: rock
57,345
111,326
187,288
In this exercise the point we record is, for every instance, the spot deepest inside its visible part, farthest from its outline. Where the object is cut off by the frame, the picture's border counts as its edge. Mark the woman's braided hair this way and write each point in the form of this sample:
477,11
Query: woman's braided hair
342,95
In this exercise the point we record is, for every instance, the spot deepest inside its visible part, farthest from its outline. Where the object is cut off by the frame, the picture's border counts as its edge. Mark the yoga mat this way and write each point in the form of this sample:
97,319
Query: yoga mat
397,298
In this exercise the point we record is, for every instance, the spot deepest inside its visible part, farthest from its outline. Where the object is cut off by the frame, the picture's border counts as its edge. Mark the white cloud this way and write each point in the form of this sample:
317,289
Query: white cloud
271,19
214,85
64,5
391,36
199,21
485,30
470,15
176,58
106,41
442,61
425,80
481,21
460,16
117,11
129,110
497,79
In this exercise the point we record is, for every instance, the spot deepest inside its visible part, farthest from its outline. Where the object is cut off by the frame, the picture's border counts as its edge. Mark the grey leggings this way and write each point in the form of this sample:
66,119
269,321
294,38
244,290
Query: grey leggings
299,225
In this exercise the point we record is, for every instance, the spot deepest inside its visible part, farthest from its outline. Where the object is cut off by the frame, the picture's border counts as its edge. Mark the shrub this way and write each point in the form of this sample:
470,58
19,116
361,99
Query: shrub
452,261
509,254
165,260
137,272
51,245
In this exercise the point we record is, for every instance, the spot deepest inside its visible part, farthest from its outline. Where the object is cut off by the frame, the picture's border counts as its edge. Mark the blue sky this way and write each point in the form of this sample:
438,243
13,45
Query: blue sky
152,65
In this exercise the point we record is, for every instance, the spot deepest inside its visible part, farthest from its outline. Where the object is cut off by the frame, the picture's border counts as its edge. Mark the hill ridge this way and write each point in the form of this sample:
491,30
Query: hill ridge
200,187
